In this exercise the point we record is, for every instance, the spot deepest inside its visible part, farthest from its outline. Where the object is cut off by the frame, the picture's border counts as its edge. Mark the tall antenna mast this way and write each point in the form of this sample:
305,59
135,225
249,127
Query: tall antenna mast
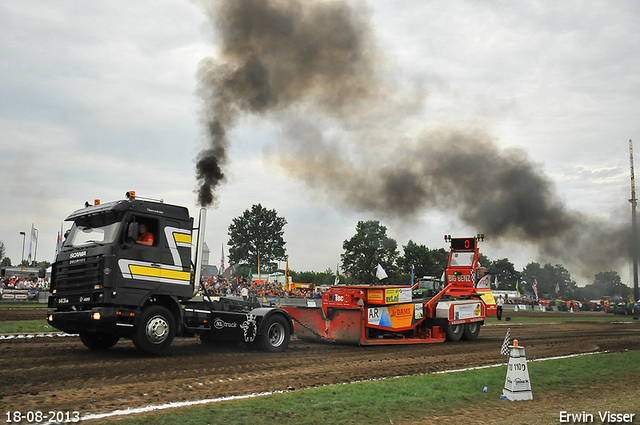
634,235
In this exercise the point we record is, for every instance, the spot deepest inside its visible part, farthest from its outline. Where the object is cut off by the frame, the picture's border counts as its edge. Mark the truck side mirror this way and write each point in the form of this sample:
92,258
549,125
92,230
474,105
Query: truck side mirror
42,272
132,233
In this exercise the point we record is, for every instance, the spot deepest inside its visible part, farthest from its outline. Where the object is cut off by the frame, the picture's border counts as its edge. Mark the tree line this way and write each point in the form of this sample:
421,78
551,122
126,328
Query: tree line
256,239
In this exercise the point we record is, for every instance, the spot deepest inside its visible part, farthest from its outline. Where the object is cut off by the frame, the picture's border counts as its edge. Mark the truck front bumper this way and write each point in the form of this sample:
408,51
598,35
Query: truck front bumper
98,319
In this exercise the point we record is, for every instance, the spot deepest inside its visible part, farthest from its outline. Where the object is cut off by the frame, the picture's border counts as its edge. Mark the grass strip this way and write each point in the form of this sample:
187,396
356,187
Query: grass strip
396,400
23,326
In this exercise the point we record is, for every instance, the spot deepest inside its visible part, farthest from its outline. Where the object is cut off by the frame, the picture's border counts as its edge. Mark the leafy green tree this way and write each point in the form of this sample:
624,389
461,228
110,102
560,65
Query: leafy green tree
587,293
425,261
439,261
610,284
257,236
3,250
369,247
553,280
6,262
484,260
506,273
562,276
532,272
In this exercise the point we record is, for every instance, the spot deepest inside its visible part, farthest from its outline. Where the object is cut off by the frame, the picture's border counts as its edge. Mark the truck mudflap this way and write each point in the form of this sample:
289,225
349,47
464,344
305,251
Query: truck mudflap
98,319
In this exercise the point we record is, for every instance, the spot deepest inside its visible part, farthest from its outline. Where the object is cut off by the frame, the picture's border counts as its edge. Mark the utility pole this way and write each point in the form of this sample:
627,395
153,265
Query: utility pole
634,234
23,236
35,252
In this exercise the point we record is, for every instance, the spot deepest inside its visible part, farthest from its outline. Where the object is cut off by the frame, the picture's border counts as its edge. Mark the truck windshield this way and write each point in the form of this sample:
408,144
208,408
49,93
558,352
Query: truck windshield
464,259
101,228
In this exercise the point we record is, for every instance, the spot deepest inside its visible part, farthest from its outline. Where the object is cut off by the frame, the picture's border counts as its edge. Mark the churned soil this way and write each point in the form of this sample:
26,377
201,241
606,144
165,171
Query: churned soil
59,373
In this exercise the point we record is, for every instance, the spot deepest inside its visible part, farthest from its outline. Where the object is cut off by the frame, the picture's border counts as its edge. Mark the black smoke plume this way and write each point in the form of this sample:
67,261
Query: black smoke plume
275,54
313,67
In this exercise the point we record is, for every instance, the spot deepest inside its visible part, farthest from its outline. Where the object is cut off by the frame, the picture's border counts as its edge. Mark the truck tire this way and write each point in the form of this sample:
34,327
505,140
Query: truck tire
454,332
156,330
97,341
275,334
471,331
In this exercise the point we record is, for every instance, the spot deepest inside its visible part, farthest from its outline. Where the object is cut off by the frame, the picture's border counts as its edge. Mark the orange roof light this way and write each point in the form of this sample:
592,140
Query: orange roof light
96,202
131,194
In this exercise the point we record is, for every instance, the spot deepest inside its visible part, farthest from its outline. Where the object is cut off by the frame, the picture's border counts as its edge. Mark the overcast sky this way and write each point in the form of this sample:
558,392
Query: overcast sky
100,98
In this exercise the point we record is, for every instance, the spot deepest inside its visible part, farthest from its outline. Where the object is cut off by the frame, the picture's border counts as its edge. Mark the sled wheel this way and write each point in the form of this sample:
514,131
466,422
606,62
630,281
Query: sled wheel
156,330
275,334
454,332
471,331
97,341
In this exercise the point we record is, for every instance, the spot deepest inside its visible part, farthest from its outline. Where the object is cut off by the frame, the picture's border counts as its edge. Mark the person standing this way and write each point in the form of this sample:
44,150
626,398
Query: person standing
499,304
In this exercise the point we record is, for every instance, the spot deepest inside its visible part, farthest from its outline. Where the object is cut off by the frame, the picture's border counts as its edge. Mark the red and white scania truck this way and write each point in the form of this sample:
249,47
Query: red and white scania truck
105,286
374,315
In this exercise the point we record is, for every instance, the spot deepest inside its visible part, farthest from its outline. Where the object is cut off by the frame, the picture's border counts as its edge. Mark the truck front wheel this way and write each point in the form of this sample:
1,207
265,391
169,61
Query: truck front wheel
454,332
275,334
97,341
156,330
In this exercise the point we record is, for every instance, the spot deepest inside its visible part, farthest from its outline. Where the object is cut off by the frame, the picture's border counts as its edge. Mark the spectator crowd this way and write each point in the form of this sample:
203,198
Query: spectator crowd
219,286
13,282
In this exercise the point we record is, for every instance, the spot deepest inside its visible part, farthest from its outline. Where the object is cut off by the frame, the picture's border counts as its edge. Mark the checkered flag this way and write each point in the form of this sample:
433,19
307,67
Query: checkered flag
505,345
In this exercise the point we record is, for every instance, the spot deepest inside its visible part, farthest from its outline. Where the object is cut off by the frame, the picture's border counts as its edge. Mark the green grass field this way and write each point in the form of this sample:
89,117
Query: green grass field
398,400
25,326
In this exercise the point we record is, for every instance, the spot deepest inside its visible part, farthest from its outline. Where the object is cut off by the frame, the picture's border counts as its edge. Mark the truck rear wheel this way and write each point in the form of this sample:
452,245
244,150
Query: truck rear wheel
275,334
97,341
454,332
471,331
156,330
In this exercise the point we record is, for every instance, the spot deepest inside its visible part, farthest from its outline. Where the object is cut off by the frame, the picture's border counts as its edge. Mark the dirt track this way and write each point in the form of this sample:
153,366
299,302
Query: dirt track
59,373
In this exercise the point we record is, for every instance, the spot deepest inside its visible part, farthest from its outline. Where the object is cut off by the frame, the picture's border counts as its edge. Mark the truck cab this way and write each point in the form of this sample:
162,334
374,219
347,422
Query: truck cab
105,285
